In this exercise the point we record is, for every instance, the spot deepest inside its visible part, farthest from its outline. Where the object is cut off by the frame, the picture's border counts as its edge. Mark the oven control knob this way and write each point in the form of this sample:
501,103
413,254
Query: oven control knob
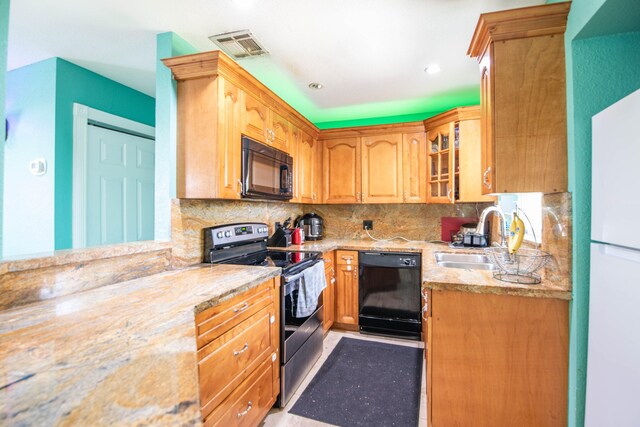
219,235
227,234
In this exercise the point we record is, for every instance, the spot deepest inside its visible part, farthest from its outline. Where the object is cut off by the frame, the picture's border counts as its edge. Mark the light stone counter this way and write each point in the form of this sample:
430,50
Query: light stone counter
123,354
444,278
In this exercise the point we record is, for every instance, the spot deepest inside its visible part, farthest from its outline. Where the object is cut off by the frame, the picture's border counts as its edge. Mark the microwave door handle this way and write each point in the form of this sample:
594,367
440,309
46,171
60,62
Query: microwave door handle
284,178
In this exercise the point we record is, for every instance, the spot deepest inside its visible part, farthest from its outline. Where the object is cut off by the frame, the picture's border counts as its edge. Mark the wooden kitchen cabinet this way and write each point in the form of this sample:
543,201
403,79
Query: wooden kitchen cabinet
328,295
454,146
443,166
238,357
341,171
375,164
208,134
496,360
309,169
264,124
414,167
382,173
523,101
218,101
346,292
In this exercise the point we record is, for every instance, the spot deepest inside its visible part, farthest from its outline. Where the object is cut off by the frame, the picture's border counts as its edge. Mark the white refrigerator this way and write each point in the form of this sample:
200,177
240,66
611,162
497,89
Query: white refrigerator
613,364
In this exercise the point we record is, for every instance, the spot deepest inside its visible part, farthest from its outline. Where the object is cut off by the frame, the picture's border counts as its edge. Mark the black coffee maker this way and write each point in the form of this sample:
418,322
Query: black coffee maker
313,226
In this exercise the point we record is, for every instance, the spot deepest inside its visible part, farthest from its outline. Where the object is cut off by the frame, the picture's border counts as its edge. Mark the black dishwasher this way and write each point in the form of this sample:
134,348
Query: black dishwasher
389,293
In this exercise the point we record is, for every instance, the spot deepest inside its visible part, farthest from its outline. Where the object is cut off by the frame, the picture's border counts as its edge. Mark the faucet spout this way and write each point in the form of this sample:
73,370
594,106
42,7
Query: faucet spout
481,228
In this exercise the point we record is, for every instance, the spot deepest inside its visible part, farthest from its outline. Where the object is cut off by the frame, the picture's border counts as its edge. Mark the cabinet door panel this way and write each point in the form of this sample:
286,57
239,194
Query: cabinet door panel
486,135
281,132
307,160
382,169
229,145
341,166
256,118
498,360
346,294
414,166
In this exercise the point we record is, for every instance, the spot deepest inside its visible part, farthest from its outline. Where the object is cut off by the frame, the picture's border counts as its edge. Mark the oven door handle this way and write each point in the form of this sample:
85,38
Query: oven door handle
296,276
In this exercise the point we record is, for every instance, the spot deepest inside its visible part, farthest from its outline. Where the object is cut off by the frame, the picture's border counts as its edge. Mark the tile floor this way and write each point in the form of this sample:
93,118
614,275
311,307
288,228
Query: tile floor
282,417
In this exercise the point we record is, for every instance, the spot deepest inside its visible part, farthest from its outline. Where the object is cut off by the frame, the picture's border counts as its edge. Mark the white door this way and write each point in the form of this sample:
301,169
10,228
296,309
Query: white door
613,360
119,187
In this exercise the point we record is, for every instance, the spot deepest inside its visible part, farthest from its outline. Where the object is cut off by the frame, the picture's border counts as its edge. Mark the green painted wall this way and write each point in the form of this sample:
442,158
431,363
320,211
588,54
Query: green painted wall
602,67
167,45
4,38
77,84
28,199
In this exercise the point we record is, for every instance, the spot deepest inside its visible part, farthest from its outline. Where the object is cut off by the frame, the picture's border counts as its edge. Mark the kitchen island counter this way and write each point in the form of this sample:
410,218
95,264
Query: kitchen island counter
443,278
123,354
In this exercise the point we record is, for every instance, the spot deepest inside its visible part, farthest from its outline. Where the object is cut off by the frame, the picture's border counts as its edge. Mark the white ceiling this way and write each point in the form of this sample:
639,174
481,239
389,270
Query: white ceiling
367,53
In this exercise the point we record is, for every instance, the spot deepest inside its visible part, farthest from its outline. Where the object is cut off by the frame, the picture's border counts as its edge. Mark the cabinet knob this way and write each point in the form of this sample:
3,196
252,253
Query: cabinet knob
358,198
449,196
485,178
239,187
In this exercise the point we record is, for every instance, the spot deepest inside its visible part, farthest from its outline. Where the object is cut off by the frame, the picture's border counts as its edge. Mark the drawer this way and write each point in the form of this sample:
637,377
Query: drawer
217,320
347,257
249,403
225,362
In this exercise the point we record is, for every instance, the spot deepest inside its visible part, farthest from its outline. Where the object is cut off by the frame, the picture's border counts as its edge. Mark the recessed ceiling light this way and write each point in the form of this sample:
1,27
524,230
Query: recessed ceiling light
315,85
432,69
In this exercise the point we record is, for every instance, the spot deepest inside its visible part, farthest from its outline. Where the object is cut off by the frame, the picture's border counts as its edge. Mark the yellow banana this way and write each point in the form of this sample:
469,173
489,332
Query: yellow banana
516,234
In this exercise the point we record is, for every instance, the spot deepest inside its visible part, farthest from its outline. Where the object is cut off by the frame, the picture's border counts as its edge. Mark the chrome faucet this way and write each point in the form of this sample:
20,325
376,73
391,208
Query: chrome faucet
481,228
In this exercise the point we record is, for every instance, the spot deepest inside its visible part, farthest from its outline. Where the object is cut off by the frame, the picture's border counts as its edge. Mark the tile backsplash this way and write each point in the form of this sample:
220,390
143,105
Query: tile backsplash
411,221
190,216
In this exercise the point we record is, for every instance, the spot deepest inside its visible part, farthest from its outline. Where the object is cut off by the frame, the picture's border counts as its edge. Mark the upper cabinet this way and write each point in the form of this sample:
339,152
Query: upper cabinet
341,170
414,167
308,158
454,160
382,175
523,101
265,125
218,101
375,164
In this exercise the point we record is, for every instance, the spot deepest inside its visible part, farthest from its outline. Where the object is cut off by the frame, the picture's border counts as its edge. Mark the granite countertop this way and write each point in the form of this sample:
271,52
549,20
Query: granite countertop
443,278
119,354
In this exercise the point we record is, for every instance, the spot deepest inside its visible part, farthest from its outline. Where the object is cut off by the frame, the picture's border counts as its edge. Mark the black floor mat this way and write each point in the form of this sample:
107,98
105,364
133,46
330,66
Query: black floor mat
365,383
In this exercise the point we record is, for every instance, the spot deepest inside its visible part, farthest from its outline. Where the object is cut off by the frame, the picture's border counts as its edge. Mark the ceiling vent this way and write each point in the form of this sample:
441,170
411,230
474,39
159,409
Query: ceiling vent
239,44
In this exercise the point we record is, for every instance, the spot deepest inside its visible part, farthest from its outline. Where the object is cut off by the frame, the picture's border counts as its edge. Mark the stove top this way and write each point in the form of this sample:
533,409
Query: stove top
289,261
246,244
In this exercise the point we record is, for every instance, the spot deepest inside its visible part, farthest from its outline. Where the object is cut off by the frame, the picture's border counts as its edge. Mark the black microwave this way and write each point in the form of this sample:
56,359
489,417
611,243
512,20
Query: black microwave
267,173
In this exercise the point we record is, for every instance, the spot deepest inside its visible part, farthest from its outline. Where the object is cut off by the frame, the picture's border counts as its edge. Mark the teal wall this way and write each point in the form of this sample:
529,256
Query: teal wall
602,60
4,37
167,45
29,199
77,84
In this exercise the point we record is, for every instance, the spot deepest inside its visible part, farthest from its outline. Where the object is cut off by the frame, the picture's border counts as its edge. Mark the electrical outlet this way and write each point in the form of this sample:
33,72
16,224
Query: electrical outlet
367,224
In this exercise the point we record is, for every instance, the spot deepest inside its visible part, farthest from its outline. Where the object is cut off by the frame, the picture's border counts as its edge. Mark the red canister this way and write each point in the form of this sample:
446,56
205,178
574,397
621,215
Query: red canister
296,236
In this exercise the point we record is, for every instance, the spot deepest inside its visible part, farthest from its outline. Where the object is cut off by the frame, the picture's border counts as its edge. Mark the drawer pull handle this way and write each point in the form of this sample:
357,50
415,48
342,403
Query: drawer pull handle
237,353
243,308
246,411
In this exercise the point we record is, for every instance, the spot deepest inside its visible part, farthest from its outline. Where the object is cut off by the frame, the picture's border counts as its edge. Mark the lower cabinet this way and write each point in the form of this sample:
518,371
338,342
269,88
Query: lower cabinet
238,357
329,293
496,360
346,306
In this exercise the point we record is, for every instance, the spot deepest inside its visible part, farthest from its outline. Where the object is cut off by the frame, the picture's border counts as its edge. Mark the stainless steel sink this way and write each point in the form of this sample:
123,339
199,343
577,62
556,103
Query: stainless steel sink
467,261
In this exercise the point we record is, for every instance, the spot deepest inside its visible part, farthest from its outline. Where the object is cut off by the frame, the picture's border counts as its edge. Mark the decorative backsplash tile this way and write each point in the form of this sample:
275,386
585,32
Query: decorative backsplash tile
411,221
190,216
